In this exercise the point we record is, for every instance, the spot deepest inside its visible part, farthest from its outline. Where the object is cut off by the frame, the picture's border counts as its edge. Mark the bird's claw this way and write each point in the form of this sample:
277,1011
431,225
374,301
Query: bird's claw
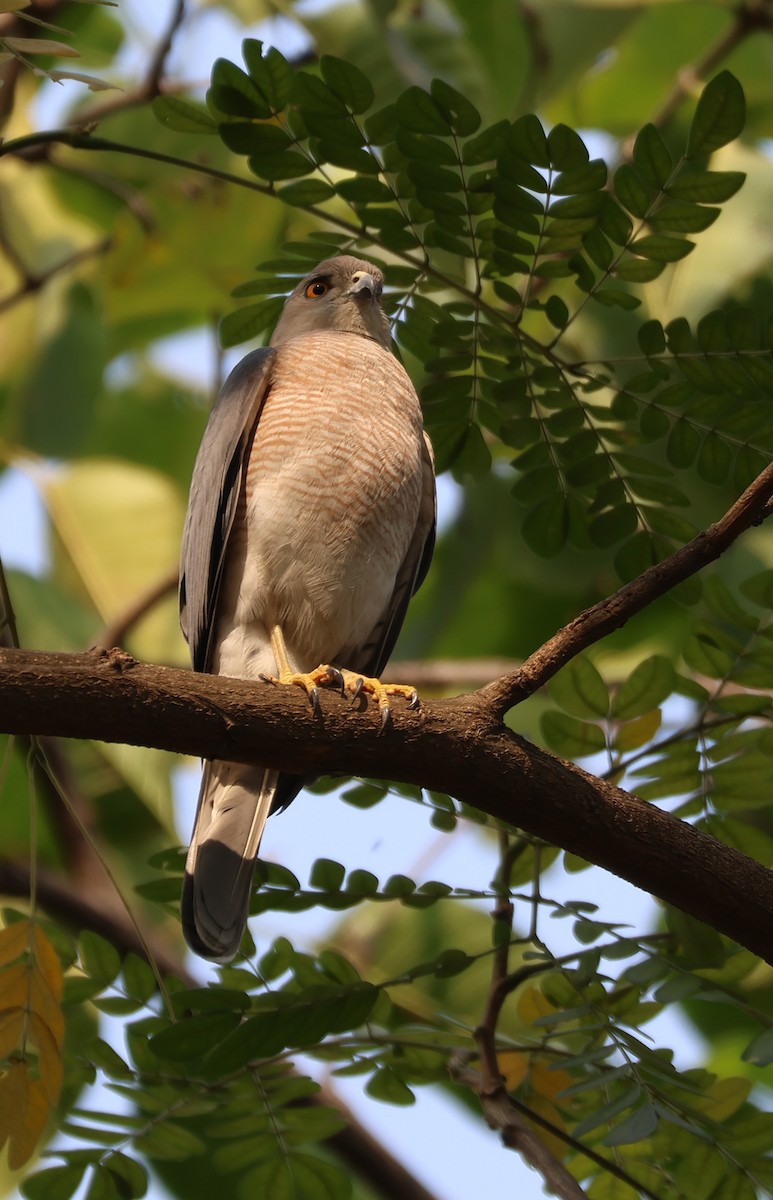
349,682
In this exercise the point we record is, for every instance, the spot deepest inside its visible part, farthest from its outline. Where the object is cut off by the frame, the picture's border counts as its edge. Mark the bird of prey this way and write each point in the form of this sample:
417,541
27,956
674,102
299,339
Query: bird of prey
310,525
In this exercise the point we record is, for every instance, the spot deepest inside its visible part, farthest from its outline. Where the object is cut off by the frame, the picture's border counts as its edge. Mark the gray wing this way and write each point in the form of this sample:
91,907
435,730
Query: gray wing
214,494
372,657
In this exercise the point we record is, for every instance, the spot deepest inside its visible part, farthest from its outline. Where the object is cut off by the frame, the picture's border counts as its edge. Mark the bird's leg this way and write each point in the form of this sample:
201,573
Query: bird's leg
310,681
325,675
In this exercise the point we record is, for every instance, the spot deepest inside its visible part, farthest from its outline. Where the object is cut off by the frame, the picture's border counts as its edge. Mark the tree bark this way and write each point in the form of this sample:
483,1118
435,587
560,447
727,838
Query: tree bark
457,746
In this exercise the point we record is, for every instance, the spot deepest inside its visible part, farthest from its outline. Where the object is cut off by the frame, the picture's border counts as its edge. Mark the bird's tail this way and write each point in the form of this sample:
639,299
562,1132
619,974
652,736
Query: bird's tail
234,803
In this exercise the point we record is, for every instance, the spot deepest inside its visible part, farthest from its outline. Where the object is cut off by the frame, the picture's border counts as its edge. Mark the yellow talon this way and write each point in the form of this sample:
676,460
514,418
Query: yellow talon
346,681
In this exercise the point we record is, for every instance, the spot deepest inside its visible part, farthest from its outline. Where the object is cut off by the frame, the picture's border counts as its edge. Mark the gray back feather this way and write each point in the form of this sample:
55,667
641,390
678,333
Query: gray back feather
215,487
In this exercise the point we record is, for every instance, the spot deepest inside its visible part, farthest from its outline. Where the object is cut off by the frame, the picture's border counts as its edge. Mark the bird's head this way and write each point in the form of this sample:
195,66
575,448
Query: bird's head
342,294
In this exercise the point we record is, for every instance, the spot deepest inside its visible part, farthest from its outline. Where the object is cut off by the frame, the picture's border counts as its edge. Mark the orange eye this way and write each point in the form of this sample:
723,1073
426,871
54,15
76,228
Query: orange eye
316,289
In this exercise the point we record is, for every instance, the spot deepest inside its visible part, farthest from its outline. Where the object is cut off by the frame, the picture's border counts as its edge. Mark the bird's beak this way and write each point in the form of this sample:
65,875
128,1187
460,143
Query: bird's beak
363,286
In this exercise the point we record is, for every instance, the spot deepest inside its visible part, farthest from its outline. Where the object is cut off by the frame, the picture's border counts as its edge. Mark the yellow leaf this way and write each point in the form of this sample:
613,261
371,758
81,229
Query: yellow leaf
11,1030
514,1065
48,962
722,1098
13,1094
43,1004
633,734
30,1129
532,1005
547,1082
14,940
49,1058
14,986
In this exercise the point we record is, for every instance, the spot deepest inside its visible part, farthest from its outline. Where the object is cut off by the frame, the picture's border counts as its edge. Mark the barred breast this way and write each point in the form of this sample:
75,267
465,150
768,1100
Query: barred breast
331,495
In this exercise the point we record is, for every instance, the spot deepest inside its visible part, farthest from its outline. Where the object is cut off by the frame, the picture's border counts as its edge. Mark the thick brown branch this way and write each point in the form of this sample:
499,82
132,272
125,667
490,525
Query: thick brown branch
610,614
455,746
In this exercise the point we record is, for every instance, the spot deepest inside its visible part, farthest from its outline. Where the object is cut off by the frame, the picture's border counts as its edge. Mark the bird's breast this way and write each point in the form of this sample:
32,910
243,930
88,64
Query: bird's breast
331,492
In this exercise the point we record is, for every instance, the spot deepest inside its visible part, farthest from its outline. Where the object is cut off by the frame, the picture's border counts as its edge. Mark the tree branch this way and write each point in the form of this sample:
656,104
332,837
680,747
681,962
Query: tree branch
610,614
456,746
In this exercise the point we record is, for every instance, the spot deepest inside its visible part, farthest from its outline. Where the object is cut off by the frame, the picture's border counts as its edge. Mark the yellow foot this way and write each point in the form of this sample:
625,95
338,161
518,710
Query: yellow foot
310,681
346,682
358,685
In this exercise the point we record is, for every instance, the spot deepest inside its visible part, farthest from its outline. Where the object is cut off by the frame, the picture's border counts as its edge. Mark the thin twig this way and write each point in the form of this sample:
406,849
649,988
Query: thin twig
148,88
503,1114
117,630
464,1074
489,1084
612,613
34,282
747,19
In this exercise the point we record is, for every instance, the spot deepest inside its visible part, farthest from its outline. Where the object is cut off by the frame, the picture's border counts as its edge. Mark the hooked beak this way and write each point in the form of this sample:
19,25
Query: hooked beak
363,286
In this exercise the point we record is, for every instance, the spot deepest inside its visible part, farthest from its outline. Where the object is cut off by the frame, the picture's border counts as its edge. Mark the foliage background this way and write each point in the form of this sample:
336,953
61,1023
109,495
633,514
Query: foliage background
105,256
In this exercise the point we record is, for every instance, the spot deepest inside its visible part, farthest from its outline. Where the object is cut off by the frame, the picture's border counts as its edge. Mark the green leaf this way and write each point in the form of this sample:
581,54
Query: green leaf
301,1020
250,321
245,137
234,93
647,686
546,528
347,82
613,525
637,1128
169,1141
587,177
60,395
189,1039
682,216
99,959
579,689
139,980
759,1052
327,875
462,116
527,139
651,338
683,444
638,270
182,116
286,164
759,589
486,146
661,248
385,1084
702,946
295,1177
361,882
719,116
706,187
131,1177
569,736
271,73
566,148
56,1183
631,192
418,112
307,192
714,459
652,158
